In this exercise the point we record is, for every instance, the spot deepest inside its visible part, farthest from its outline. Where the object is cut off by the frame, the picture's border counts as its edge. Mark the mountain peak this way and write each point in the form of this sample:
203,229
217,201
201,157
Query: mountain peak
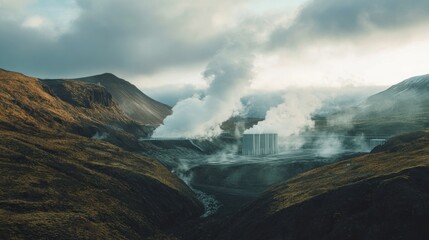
411,88
106,75
130,99
418,82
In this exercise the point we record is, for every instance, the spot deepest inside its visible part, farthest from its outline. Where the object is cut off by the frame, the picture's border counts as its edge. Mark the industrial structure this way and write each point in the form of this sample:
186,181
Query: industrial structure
260,144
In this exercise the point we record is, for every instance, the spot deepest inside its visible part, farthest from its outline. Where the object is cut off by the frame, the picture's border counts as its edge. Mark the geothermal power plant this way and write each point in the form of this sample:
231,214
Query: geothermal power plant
260,144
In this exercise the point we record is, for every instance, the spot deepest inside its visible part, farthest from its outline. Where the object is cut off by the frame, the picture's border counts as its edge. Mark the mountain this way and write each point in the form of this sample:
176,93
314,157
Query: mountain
382,195
418,83
402,108
91,112
59,182
130,99
405,103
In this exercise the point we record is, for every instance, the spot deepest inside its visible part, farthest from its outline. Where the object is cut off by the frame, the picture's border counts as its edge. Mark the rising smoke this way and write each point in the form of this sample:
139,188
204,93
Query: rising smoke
293,120
229,74
291,116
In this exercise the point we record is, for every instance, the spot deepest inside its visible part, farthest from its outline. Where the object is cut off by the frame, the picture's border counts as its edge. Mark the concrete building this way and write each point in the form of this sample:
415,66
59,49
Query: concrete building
260,144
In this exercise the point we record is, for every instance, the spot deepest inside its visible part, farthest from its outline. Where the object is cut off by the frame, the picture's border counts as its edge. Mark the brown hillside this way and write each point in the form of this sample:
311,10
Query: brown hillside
56,184
77,107
137,105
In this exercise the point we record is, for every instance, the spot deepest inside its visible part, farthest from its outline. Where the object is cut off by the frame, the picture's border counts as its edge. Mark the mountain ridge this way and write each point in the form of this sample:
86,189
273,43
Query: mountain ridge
133,102
401,108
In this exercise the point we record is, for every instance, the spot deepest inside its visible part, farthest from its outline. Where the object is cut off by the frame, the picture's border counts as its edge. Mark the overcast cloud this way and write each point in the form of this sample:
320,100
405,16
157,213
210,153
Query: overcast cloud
349,18
141,40
126,36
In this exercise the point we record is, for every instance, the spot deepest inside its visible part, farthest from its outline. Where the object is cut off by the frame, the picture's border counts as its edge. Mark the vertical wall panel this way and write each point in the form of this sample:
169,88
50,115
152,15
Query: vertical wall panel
260,144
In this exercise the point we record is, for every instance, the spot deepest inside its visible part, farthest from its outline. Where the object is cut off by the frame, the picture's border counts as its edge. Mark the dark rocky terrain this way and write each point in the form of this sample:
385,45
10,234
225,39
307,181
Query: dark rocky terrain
382,195
59,183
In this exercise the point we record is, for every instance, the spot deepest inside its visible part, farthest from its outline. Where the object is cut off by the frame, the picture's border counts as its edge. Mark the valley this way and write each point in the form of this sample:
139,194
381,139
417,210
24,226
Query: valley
75,164
214,120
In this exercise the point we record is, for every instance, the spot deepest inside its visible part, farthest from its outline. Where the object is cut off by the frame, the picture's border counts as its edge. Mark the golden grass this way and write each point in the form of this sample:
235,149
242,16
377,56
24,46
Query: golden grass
56,184
75,179
330,177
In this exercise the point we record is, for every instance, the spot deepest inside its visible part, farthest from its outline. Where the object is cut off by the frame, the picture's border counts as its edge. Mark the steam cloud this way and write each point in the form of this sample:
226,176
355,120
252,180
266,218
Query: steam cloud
229,73
291,116
100,136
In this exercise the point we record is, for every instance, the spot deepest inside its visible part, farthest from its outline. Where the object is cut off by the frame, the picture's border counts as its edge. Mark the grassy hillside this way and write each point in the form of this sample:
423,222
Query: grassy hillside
57,184
85,109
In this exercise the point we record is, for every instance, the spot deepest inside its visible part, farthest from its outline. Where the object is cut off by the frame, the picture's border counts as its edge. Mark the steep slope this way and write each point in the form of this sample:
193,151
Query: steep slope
56,184
80,94
130,99
76,107
17,95
383,195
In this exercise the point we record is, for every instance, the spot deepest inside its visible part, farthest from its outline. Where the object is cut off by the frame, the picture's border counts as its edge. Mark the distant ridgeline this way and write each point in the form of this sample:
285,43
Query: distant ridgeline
401,108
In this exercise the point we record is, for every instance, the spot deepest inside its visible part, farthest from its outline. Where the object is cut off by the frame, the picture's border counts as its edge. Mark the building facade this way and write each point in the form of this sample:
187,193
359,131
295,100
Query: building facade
260,144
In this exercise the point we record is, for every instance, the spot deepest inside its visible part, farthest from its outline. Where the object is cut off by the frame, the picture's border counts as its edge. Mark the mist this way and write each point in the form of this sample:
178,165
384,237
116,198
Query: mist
100,136
229,74
211,205
172,94
289,117
293,120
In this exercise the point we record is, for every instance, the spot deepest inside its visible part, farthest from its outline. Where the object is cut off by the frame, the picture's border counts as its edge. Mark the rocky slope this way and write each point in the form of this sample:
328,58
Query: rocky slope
130,99
57,183
79,94
382,195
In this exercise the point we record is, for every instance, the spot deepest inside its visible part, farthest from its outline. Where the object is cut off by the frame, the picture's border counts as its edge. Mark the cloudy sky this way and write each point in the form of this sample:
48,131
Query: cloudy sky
159,43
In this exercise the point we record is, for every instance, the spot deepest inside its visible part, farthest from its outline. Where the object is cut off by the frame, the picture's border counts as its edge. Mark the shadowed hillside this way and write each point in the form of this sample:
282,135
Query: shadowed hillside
382,195
56,184
130,99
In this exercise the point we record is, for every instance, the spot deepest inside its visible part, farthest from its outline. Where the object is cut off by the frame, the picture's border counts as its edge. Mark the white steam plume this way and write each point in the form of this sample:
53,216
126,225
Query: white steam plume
328,145
292,120
291,116
228,73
